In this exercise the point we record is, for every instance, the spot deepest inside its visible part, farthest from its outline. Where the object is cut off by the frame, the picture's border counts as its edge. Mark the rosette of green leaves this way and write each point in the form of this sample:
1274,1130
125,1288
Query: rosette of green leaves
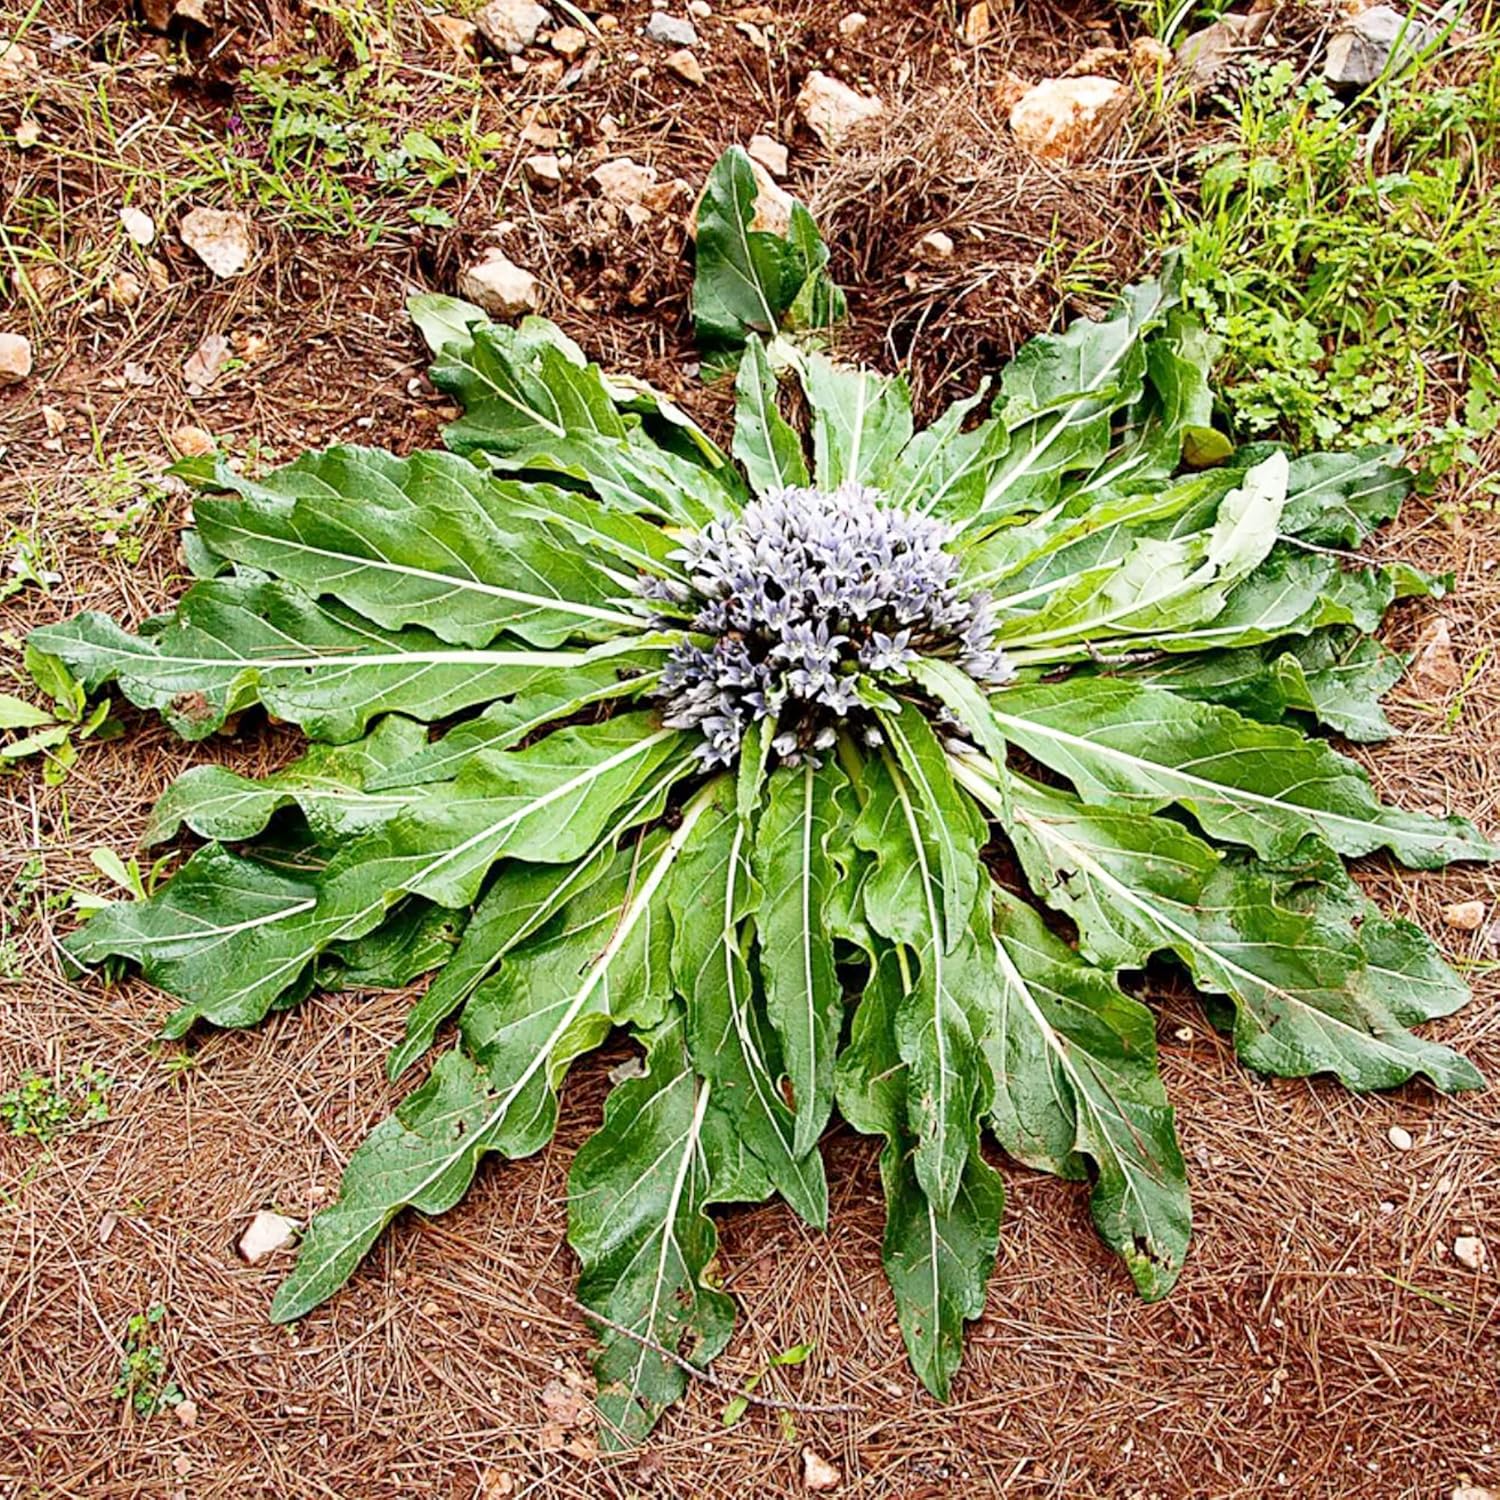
488,797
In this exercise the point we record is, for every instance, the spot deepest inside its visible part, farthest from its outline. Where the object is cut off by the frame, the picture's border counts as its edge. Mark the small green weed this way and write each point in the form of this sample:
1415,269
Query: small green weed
142,1380
1341,251
54,733
737,1408
42,1107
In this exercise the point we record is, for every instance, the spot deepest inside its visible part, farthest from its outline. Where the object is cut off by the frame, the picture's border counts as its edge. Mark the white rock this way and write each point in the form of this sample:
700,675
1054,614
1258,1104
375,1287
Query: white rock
267,1234
500,286
511,25
1469,1251
936,245
15,358
544,170
686,66
1465,916
671,31
1473,1492
771,154
700,10
854,23
1060,117
569,41
1399,1137
817,1472
1370,42
138,225
222,241
833,110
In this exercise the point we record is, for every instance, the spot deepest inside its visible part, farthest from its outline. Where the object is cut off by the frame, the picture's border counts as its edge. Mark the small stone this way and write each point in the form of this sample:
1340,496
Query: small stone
1368,44
543,170
1473,1492
202,366
15,358
1061,118
699,10
1098,62
1465,916
192,442
625,185
977,25
569,41
500,286
1399,1137
670,31
854,23
17,62
771,154
833,110
461,35
222,241
607,24
267,1234
28,133
686,66
139,226
186,1413
1469,1252
1206,53
137,373
817,1472
1183,1033
54,421
935,245
511,25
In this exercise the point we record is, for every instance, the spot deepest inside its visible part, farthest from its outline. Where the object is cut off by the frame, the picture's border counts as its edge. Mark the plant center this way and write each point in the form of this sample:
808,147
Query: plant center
804,595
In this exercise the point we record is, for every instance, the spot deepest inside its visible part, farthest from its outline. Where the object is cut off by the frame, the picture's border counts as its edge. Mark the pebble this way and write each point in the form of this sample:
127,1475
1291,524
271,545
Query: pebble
511,25
192,442
854,23
833,110
266,1234
1060,118
817,1472
138,225
1399,1138
670,31
544,170
771,154
569,41
686,66
1469,1251
15,358
936,245
500,286
1465,916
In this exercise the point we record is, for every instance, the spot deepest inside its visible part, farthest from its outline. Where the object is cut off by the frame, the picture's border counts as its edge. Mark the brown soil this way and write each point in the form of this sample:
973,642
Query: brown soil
1322,1343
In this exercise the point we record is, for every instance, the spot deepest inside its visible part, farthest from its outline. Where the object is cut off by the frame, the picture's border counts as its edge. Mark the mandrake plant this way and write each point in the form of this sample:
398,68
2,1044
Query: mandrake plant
846,772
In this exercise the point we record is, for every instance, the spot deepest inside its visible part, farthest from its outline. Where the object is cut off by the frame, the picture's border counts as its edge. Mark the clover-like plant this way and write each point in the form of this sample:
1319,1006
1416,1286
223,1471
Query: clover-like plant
848,775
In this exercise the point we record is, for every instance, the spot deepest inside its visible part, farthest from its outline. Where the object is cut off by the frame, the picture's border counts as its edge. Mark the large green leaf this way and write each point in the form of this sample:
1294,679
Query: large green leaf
907,900
937,1259
1126,744
861,421
1138,885
235,642
1074,1062
797,870
712,899
637,1199
501,1095
764,443
749,280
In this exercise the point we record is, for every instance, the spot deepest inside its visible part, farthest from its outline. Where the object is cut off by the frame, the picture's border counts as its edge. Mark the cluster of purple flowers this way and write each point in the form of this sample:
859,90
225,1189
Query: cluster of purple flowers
803,593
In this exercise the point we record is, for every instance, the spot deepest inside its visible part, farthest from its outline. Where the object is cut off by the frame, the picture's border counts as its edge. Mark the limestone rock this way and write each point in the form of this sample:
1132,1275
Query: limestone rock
852,24
1206,53
222,241
543,170
267,1234
771,154
500,286
1469,1251
817,1473
833,110
1464,916
511,25
138,225
670,31
935,245
977,24
15,358
1367,44
687,67
1060,119
569,41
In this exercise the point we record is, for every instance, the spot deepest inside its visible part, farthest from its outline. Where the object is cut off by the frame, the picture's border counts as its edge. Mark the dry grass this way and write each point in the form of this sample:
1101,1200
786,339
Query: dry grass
1322,1342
